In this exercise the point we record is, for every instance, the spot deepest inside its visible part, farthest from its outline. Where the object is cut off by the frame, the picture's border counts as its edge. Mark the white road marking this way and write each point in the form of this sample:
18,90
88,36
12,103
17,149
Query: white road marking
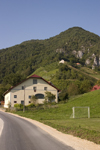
1,126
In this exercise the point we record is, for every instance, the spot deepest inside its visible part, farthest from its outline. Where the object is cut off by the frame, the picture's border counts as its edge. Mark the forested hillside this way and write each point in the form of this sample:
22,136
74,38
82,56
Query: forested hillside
73,45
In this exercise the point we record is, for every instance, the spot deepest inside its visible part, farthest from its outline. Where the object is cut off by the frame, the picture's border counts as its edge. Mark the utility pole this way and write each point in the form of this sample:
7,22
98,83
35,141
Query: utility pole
24,100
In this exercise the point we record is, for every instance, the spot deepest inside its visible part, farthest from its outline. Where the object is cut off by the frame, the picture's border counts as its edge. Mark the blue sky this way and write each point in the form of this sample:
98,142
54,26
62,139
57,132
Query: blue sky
22,20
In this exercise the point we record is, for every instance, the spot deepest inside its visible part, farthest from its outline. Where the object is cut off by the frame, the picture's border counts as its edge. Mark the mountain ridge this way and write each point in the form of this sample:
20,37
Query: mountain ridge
29,55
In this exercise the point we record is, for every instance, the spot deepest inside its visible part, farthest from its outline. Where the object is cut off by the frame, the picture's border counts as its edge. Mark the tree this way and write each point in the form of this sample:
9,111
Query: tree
34,99
3,88
85,86
68,74
13,79
73,74
49,97
63,96
63,67
9,105
98,82
72,89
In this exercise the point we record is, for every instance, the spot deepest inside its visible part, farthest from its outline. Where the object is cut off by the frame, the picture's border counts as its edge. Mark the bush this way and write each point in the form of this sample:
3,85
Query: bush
18,106
63,96
85,86
34,99
72,89
49,97
30,105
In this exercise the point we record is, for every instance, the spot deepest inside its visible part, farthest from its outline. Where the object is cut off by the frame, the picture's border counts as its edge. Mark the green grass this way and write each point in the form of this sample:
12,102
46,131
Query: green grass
45,74
48,71
59,117
91,72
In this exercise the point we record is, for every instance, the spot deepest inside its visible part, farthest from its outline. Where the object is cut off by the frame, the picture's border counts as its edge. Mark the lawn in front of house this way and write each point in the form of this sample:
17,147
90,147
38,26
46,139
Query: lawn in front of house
59,117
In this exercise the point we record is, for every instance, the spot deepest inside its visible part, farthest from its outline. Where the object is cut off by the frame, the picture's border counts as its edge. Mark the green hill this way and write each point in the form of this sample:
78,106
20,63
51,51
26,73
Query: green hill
28,56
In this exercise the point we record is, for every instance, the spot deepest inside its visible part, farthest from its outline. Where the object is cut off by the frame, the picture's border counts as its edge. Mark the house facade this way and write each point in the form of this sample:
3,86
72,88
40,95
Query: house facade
34,85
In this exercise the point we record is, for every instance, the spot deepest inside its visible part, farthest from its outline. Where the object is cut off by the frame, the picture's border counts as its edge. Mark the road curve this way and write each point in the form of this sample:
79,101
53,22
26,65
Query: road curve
19,134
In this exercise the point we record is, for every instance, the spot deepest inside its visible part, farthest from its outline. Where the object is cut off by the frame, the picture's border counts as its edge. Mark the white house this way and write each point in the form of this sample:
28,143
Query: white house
22,92
61,62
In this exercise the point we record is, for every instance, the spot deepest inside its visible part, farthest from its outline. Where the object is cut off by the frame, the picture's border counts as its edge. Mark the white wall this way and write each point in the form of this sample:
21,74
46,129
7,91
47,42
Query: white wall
7,99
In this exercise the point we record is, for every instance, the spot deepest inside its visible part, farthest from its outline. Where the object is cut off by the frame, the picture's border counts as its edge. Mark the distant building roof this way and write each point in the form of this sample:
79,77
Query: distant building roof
96,87
78,64
62,61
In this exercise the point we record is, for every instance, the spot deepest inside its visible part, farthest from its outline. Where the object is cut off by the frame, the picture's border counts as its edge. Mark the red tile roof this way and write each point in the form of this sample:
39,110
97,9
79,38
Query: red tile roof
96,87
33,76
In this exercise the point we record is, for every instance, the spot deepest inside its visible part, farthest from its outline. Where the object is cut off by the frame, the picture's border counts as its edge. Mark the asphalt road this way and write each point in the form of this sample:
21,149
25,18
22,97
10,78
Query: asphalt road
19,134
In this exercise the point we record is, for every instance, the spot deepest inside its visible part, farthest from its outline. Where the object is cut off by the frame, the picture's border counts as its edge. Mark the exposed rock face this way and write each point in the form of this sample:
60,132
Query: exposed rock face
74,52
93,55
79,54
87,62
60,50
83,48
99,60
93,67
96,62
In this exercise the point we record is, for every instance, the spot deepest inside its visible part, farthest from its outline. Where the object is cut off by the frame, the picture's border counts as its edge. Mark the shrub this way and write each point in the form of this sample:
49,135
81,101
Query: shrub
49,97
30,105
63,96
72,89
34,99
18,106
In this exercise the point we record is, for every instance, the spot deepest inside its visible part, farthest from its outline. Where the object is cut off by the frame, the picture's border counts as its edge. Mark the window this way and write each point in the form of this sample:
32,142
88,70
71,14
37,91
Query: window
15,96
40,96
22,87
22,102
29,101
34,88
34,81
29,97
15,101
45,88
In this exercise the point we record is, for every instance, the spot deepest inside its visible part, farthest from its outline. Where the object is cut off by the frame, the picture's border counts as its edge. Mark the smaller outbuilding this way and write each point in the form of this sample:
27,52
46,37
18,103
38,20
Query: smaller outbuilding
96,87
61,62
